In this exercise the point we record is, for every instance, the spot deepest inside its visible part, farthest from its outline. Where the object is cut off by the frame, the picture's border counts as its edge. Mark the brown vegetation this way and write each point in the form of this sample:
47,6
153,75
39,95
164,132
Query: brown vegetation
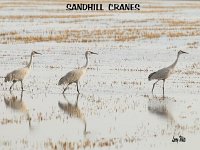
97,35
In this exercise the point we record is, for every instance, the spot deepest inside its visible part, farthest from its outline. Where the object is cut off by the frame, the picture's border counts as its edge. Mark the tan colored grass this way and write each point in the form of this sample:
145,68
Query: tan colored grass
155,11
98,35
8,33
151,35
169,27
177,22
15,17
193,44
176,34
87,144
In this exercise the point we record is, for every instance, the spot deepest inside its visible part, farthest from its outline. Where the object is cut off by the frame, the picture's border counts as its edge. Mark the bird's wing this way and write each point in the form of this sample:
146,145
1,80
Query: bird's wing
160,74
8,77
18,74
71,77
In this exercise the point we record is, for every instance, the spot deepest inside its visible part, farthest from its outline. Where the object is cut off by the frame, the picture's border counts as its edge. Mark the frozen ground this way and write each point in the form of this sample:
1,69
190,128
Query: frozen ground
115,101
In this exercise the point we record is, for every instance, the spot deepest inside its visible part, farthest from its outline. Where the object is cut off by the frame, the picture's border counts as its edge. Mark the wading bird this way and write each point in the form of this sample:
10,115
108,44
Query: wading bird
164,73
20,74
75,75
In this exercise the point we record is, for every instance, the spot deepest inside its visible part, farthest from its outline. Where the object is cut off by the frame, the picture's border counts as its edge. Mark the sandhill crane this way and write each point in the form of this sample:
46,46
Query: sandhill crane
75,75
73,110
164,73
20,74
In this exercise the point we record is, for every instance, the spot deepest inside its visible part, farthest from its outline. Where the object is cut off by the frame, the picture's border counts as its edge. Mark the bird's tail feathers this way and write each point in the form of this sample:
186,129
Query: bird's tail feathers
63,106
61,81
6,101
6,80
60,105
8,77
150,76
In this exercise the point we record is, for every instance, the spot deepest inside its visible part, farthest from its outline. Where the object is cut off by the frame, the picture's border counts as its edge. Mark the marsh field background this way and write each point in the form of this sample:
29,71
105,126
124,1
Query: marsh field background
115,103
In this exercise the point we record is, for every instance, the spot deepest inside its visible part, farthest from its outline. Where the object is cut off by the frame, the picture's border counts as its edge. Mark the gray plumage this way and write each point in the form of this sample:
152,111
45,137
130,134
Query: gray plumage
164,73
75,75
20,74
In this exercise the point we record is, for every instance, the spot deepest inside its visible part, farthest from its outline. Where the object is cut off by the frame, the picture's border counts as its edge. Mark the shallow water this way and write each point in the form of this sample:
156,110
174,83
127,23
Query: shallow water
115,105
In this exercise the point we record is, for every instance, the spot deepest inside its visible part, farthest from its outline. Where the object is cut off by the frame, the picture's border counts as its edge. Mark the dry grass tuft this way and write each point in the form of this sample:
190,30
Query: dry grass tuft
97,35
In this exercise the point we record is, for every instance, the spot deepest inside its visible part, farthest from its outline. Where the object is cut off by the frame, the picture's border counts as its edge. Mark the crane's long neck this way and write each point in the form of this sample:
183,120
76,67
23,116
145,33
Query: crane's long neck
30,62
174,64
86,64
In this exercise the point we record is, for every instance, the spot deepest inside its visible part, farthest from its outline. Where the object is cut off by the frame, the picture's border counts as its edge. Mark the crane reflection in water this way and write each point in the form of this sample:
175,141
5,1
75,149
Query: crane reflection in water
73,110
17,104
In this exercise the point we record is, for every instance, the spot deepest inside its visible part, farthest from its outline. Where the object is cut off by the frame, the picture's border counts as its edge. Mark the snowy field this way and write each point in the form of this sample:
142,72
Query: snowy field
116,104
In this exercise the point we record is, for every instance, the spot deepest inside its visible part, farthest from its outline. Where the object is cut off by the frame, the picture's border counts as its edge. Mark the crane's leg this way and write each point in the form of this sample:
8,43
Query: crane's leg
14,81
22,85
64,97
163,88
77,87
77,98
65,89
154,86
21,95
85,127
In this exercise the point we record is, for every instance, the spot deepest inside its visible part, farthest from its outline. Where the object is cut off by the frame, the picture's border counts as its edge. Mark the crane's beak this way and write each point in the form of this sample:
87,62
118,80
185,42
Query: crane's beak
184,52
37,53
94,53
